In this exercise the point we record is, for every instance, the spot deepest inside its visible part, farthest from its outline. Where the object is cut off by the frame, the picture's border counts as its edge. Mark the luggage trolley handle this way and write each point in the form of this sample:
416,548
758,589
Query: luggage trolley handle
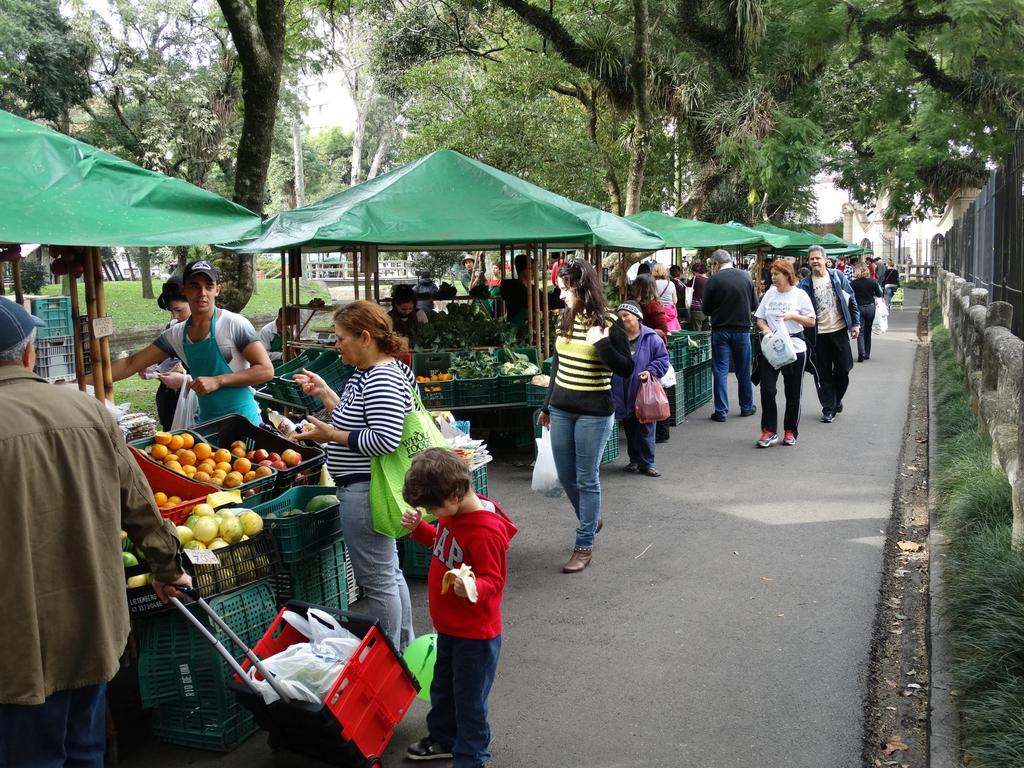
242,674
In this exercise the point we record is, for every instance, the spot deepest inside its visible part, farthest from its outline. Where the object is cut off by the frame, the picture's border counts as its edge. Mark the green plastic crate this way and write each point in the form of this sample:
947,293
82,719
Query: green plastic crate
546,366
320,578
536,395
478,480
214,727
301,535
55,311
697,383
177,665
512,389
330,368
434,394
415,559
676,404
297,363
476,392
682,354
611,448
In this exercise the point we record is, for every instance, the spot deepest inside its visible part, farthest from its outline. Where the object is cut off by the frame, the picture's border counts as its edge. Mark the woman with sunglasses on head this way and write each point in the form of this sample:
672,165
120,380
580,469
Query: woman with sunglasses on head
579,410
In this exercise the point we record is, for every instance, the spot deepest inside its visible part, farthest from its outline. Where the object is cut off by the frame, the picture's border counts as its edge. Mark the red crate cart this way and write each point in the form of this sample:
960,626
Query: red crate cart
353,724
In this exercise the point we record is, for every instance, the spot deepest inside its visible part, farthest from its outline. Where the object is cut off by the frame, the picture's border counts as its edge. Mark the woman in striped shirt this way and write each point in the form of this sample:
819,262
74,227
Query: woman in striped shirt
367,421
590,347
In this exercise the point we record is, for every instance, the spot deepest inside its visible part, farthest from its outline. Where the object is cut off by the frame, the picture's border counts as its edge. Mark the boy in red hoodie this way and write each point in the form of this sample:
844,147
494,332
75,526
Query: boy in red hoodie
472,531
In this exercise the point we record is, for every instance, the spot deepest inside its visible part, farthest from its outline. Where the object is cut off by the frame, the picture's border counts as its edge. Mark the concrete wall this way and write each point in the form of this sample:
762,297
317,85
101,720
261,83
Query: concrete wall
993,362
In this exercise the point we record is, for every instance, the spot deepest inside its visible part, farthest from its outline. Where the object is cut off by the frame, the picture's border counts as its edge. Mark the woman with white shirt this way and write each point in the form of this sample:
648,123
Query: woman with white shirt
783,303
665,290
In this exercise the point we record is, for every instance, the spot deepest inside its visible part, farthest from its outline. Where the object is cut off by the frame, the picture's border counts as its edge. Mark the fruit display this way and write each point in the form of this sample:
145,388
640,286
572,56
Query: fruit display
315,504
435,377
230,467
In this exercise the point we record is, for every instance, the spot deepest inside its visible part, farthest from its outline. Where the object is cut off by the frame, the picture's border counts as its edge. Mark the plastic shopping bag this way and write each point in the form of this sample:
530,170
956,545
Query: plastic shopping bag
777,347
669,379
651,402
881,322
545,476
307,671
186,412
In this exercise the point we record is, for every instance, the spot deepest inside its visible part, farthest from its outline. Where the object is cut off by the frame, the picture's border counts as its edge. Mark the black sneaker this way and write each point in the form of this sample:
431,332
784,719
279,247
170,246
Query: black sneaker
717,417
631,467
428,749
827,417
750,412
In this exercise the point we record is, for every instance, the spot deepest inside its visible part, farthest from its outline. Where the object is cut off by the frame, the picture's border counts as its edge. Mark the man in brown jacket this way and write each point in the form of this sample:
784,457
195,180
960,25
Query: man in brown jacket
67,487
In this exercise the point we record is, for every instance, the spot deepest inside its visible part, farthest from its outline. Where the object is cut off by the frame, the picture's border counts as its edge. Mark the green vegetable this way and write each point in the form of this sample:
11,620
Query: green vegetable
517,365
474,365
462,326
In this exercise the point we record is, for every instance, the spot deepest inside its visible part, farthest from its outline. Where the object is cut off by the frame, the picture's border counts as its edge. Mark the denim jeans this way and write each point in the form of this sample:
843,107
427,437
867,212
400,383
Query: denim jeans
463,674
375,562
867,320
731,346
639,442
577,442
889,290
68,729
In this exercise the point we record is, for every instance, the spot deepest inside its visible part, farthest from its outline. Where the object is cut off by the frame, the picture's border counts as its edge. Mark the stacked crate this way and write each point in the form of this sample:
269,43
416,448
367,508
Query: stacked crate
55,343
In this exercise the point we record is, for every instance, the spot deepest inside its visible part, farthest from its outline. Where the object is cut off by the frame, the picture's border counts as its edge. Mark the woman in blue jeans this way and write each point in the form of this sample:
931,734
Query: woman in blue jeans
367,421
590,347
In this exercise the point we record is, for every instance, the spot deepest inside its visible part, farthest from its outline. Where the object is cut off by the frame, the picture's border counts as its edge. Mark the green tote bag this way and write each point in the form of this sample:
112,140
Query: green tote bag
387,472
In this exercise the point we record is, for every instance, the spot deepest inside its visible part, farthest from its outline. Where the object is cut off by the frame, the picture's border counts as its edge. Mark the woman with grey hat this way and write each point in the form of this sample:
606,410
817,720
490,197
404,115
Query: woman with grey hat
650,358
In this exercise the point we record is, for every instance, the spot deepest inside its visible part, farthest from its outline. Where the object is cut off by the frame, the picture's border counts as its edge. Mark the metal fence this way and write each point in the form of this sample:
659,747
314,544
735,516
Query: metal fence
986,246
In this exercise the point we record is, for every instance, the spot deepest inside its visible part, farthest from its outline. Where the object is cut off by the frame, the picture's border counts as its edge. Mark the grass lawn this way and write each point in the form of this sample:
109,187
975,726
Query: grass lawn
130,311
140,393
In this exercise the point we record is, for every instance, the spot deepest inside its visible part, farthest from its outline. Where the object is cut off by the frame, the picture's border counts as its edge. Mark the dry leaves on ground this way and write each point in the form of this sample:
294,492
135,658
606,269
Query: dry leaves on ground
895,745
909,546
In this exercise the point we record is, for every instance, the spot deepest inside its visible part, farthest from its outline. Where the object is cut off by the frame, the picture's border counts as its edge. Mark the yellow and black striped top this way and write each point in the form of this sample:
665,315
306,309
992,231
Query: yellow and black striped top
581,375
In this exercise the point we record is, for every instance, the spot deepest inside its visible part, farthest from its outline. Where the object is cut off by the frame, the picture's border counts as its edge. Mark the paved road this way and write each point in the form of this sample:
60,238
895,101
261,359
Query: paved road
725,621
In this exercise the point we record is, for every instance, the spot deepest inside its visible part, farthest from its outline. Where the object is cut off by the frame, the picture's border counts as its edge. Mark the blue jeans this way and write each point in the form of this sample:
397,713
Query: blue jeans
889,290
463,674
639,442
577,441
68,729
734,345
375,562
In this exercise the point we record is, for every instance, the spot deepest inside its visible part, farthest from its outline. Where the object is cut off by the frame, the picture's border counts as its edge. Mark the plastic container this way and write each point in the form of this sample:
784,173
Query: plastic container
478,480
415,558
173,484
55,311
470,392
321,577
611,448
535,395
512,389
434,394
355,721
55,357
682,353
227,429
697,383
177,665
676,404
330,368
214,727
301,535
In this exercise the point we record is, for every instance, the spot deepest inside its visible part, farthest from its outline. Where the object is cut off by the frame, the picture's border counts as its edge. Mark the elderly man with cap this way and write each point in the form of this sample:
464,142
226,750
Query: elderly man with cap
221,350
69,487
729,301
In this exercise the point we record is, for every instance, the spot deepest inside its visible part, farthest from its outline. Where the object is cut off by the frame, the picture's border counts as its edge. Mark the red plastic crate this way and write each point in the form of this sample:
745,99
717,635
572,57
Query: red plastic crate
355,721
173,484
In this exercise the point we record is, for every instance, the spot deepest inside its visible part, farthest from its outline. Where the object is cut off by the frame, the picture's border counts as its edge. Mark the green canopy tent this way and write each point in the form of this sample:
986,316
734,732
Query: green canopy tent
61,192
792,238
690,233
445,200
773,239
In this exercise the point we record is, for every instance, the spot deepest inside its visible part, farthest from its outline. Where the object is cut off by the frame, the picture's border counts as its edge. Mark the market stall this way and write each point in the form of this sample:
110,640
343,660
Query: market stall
76,199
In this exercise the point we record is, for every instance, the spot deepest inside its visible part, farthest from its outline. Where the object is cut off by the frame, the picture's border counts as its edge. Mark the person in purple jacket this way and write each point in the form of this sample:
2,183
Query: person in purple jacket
650,358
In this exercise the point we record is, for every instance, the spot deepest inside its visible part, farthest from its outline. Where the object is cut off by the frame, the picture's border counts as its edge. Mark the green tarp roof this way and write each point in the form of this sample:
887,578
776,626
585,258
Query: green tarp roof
690,233
447,200
773,239
794,239
59,191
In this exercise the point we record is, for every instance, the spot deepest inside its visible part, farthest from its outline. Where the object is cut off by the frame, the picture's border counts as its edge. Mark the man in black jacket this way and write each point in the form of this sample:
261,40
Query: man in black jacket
729,301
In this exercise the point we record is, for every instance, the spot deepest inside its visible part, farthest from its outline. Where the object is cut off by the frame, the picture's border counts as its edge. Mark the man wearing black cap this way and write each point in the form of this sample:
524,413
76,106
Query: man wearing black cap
69,487
221,350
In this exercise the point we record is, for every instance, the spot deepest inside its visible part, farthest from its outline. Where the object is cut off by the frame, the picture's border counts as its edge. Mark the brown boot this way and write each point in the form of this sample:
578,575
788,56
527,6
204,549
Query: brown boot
580,559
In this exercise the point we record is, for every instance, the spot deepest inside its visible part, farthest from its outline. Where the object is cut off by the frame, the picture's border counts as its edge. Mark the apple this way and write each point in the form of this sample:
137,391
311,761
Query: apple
266,463
278,464
291,457
274,456
260,455
250,455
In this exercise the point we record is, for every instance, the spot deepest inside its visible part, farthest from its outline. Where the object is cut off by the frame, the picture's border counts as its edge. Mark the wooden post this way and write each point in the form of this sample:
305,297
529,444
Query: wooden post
19,295
101,311
285,352
375,256
98,385
503,262
355,269
531,278
76,327
542,348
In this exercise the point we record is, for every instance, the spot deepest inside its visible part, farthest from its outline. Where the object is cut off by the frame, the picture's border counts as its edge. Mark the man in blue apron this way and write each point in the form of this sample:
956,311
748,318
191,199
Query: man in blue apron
220,348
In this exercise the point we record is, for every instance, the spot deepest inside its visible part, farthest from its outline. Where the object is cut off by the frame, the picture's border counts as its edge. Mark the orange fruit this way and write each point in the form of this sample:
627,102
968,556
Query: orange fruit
174,501
202,451
222,454
160,498
206,466
223,466
162,438
174,466
189,470
216,480
159,452
263,471
233,480
187,441
249,476
201,477
242,465
187,457
239,451
176,442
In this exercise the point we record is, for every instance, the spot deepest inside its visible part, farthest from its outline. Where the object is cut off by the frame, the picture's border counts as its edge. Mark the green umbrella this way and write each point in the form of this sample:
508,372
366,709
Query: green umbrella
447,200
59,191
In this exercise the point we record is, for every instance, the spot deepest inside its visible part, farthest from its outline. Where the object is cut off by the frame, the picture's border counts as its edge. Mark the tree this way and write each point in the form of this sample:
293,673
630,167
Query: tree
43,63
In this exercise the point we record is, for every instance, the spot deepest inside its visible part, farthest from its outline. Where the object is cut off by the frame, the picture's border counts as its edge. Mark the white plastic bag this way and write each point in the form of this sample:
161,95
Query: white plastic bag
186,412
881,322
777,347
669,379
545,476
307,671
